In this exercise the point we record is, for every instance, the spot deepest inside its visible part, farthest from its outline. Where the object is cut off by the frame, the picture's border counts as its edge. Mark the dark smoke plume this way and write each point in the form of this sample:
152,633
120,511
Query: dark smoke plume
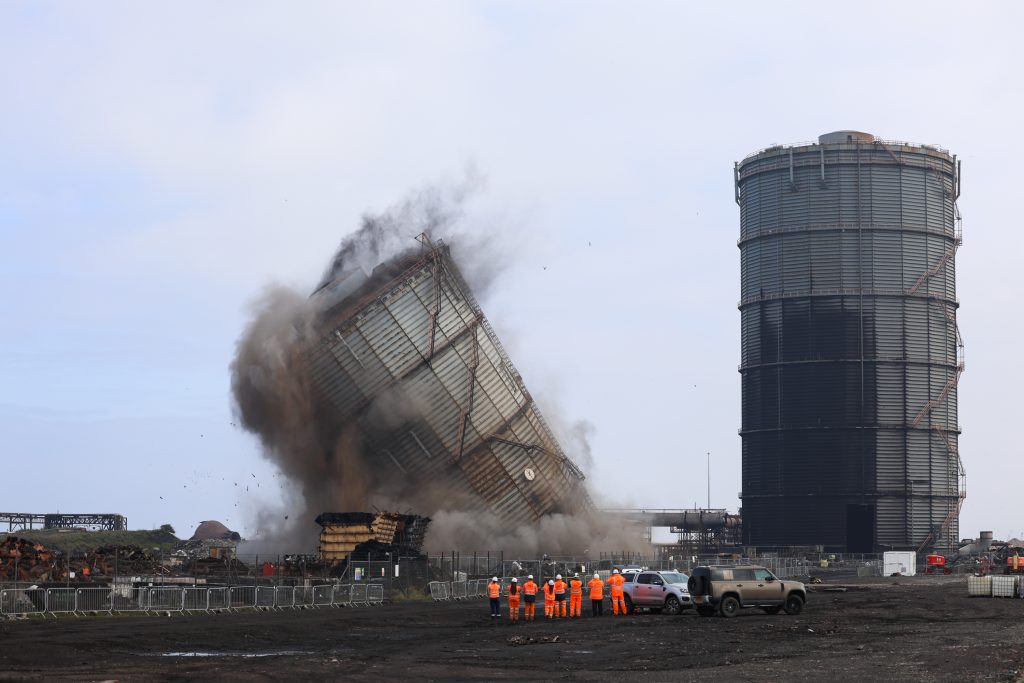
323,457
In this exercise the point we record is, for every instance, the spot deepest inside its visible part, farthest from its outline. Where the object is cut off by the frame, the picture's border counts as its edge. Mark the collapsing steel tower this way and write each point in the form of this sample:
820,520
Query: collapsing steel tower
851,352
406,355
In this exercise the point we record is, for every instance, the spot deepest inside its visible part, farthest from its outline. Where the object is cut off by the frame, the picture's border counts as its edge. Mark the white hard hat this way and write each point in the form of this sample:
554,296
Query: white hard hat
515,580
576,575
551,582
530,577
558,577
596,575
494,578
615,571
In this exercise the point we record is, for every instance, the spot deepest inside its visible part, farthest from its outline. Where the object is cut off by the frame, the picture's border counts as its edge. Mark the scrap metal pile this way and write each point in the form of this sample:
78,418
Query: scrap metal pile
22,559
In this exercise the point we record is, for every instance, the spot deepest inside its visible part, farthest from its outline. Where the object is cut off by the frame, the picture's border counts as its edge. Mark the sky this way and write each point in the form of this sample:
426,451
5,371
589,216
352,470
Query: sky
164,162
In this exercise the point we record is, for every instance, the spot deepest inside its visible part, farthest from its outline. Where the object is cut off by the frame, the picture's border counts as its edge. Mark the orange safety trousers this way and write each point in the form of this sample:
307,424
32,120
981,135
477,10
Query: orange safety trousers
528,610
575,605
513,607
618,602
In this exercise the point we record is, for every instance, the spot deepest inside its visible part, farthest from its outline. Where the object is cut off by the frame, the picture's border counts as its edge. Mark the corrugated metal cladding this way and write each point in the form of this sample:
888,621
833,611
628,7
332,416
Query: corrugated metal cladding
849,345
460,418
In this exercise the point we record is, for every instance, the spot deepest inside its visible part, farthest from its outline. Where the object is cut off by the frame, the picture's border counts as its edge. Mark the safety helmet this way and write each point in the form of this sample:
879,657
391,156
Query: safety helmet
576,575
515,580
558,577
551,582
615,571
530,577
596,575
494,578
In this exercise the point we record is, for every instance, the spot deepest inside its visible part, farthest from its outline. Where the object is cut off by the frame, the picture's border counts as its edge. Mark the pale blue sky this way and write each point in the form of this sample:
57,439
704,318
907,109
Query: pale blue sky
162,163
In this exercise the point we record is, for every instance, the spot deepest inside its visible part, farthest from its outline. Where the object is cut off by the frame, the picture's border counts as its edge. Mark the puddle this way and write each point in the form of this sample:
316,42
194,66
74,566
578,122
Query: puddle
276,653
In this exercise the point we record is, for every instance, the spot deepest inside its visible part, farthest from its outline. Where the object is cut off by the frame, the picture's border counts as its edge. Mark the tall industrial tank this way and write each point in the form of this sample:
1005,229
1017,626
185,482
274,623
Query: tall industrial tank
850,348
407,357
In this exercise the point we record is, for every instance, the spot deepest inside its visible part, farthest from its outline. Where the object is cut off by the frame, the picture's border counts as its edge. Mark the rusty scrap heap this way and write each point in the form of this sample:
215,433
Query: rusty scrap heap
410,342
22,559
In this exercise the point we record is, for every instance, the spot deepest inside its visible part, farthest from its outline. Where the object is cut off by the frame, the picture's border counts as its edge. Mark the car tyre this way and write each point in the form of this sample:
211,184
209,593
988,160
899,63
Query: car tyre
672,605
794,605
630,607
729,606
772,610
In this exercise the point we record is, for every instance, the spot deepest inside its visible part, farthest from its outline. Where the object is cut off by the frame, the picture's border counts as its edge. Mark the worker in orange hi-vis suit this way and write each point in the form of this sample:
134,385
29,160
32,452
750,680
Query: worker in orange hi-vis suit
575,596
615,582
561,588
549,599
514,593
596,596
529,598
494,593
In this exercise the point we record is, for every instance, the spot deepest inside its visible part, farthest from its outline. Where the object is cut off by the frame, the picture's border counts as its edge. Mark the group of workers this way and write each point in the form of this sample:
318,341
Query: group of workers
556,593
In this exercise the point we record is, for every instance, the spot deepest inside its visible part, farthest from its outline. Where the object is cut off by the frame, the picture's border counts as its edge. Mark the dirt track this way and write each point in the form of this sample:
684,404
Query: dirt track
922,628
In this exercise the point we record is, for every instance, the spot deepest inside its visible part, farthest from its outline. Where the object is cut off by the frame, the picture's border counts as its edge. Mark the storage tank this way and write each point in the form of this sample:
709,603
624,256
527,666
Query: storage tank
850,351
406,354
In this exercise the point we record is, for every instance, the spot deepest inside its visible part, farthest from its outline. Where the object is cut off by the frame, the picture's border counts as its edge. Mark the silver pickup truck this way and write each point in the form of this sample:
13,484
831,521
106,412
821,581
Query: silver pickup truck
658,591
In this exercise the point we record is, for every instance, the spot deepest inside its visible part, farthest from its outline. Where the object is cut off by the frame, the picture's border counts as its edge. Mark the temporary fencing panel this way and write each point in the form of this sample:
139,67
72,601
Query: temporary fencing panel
343,594
128,599
359,594
375,594
242,597
323,595
167,599
458,590
60,600
23,601
438,590
93,600
284,596
303,595
218,598
265,596
195,599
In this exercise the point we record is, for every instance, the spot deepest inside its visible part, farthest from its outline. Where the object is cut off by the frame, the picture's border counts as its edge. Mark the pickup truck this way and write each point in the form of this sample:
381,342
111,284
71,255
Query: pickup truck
658,591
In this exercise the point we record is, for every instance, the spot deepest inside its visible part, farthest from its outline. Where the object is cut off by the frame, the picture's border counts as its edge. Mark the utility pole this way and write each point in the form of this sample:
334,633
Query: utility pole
709,480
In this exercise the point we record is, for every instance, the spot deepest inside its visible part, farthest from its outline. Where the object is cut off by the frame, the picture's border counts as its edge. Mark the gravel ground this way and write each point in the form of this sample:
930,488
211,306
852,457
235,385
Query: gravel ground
918,629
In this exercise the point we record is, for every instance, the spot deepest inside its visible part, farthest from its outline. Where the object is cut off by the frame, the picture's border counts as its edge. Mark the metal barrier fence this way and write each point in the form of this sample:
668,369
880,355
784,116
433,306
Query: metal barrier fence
20,602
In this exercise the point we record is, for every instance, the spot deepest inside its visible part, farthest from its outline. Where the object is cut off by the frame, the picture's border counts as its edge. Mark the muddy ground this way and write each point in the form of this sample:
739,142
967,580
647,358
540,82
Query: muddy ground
908,629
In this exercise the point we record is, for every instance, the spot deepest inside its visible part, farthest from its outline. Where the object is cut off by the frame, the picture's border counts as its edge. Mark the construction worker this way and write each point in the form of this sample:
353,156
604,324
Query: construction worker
494,593
615,582
514,594
575,596
529,598
596,596
560,587
549,599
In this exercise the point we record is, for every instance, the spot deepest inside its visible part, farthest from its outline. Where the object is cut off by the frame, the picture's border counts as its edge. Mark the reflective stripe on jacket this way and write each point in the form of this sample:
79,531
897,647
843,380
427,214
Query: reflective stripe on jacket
596,589
493,590
576,587
615,582
559,587
530,588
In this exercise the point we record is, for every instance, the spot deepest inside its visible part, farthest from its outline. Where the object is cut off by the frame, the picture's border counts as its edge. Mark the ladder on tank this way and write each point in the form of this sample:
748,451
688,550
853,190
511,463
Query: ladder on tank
941,429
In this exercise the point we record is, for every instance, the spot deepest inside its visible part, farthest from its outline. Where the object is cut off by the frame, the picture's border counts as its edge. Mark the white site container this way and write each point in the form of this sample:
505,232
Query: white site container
979,586
1004,586
899,562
